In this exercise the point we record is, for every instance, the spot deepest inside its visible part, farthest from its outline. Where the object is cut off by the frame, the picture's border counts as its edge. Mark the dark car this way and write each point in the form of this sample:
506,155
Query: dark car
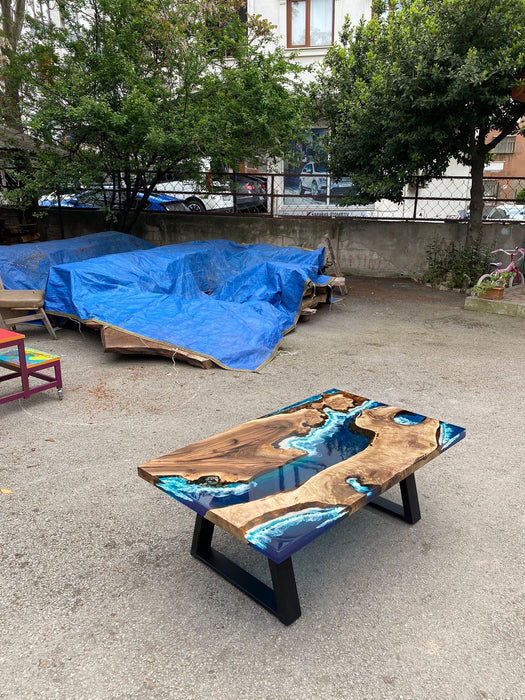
249,192
340,188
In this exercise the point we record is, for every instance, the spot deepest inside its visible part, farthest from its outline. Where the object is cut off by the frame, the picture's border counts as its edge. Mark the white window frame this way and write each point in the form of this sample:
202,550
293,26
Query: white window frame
506,146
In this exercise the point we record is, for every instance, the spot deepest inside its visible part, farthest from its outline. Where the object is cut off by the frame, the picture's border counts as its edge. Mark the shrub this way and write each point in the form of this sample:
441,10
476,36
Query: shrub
520,196
456,265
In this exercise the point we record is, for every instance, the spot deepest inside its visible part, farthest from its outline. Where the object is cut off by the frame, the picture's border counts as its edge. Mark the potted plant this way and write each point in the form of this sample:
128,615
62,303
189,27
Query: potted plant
492,287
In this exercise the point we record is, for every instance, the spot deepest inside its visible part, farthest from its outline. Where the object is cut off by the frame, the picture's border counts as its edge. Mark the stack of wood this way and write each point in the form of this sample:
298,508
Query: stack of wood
19,233
314,295
124,343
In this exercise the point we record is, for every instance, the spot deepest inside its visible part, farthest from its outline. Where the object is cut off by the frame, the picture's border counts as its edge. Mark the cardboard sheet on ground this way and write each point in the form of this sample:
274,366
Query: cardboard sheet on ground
26,265
230,302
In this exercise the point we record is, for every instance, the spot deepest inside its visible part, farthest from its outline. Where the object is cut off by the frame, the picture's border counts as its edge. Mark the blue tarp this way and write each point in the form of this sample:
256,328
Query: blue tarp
26,265
229,302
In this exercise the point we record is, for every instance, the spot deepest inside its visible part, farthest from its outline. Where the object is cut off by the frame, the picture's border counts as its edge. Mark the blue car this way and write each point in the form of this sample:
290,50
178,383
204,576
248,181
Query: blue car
104,198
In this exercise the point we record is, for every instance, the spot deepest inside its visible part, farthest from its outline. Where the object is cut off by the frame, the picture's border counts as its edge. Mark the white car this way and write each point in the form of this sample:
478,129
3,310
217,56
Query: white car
516,212
313,179
239,192
196,197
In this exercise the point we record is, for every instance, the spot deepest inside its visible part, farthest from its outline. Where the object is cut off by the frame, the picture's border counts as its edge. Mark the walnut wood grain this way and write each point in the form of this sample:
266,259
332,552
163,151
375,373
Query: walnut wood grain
249,450
396,450
124,343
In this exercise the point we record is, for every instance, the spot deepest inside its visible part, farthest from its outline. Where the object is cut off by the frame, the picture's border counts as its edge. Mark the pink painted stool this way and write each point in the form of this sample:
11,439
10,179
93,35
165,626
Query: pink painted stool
25,364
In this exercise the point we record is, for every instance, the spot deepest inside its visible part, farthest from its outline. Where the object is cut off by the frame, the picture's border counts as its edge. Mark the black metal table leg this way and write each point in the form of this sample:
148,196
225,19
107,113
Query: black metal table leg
285,591
282,601
409,511
202,537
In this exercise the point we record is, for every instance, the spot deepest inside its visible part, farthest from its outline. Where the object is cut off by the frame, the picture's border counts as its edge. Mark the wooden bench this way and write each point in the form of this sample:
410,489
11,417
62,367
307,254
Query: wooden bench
23,306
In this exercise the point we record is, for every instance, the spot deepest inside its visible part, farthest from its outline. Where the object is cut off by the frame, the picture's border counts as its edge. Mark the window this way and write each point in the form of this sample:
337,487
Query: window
310,22
506,145
243,12
490,189
391,6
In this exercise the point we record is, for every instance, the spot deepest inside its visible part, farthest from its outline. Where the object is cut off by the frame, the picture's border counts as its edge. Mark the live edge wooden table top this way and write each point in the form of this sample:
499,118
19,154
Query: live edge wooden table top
278,482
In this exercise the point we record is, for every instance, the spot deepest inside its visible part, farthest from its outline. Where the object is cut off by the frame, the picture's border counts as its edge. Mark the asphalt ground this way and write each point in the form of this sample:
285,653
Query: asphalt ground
100,598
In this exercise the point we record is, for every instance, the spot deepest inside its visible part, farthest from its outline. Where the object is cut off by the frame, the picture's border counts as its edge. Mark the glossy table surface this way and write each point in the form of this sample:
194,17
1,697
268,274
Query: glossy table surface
280,481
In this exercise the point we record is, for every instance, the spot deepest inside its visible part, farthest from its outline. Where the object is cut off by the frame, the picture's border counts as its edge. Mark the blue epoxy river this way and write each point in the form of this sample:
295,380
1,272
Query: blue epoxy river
325,445
290,528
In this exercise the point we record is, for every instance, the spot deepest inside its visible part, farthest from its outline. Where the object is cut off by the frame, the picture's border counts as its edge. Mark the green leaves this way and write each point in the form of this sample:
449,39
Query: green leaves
145,88
411,89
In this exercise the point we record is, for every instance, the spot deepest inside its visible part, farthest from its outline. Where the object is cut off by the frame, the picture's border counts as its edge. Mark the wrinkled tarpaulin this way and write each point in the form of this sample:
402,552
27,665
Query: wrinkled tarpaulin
26,265
229,302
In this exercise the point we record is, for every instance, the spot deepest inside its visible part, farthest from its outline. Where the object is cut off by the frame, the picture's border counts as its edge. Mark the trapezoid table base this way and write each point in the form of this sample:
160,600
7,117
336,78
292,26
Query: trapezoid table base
282,600
409,510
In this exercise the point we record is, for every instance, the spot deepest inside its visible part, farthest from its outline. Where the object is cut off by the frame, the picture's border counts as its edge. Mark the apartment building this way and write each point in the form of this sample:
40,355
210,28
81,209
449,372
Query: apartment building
504,176
309,27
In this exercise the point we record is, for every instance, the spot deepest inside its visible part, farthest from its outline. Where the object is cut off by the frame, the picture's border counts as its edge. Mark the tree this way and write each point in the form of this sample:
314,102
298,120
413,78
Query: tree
11,129
413,88
12,22
16,145
142,89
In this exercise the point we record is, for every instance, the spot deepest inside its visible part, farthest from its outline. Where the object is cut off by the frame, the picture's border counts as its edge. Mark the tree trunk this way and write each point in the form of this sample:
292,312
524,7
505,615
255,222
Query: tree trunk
476,194
12,20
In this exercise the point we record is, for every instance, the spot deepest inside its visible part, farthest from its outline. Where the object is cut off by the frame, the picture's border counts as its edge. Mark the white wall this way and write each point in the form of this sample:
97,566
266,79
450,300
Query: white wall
47,10
275,12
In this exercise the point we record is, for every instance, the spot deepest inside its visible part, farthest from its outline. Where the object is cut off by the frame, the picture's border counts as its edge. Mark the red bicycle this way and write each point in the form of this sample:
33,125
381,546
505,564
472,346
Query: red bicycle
516,257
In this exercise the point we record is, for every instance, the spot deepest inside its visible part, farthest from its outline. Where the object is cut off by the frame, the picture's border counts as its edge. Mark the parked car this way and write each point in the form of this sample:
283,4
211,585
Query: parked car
239,192
313,179
196,198
340,188
249,192
103,197
516,212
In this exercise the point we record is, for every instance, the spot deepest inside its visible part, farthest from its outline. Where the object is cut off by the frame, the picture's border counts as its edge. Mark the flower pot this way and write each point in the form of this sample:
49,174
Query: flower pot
494,294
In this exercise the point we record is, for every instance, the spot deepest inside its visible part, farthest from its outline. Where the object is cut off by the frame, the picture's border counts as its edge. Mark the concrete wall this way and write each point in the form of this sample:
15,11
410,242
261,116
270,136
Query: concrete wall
364,246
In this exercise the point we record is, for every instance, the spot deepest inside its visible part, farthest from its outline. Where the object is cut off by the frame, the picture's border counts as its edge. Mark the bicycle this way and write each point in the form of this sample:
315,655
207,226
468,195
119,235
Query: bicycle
517,277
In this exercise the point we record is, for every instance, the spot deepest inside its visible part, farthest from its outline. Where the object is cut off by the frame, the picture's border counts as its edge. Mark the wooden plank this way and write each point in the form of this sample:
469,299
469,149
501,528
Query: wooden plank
332,261
309,303
117,341
307,314
94,325
124,343
338,282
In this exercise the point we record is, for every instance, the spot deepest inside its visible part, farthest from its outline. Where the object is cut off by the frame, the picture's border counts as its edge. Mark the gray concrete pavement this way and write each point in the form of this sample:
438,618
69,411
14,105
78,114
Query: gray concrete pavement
101,599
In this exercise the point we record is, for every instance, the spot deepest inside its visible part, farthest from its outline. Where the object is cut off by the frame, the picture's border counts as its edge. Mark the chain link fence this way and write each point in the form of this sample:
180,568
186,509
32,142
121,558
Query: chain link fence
307,193
316,194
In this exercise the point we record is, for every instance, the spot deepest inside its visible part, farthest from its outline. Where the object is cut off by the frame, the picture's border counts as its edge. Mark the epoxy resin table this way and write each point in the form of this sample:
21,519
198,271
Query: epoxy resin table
280,481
